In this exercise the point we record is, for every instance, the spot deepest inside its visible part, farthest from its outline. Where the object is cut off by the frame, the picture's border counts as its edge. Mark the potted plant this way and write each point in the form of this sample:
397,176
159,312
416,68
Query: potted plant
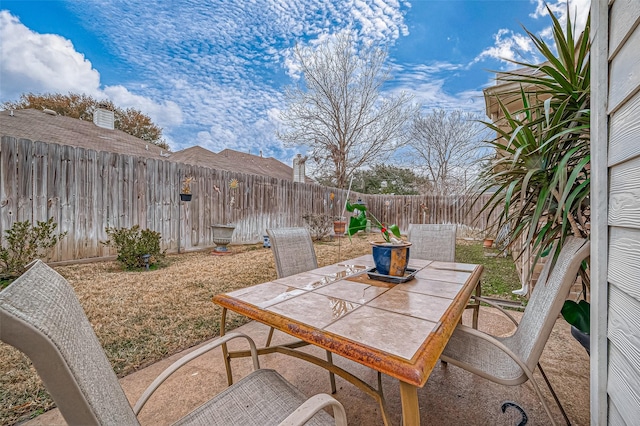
339,225
391,255
339,222
488,240
222,233
578,314
185,191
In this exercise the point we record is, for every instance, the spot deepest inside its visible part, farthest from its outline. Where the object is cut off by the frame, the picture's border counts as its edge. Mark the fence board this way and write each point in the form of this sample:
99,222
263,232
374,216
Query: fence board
40,178
54,193
81,206
103,209
67,202
25,182
9,187
92,177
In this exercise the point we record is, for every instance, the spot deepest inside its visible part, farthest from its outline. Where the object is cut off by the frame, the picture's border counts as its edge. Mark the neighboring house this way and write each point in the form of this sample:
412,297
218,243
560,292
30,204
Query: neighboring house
615,221
231,160
508,93
37,125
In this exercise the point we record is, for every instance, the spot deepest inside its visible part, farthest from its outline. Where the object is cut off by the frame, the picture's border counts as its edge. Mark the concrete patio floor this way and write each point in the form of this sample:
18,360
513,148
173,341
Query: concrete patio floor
451,396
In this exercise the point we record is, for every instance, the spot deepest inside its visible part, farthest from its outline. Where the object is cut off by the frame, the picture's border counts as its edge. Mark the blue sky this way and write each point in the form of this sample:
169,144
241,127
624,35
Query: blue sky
212,73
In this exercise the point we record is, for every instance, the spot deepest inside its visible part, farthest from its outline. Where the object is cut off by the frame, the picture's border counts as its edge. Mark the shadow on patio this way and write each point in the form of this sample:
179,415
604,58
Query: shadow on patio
451,396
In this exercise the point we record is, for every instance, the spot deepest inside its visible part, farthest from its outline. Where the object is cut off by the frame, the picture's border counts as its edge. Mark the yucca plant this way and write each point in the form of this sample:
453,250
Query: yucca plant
541,173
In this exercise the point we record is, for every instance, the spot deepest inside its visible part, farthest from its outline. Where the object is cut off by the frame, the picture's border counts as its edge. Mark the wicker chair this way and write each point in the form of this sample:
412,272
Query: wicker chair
433,242
511,360
41,316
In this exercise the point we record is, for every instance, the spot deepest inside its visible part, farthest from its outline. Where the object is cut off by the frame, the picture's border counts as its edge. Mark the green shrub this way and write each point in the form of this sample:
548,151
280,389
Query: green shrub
132,243
24,243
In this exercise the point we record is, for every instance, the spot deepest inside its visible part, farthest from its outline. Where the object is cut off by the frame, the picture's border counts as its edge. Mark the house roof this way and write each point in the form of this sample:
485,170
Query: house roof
231,160
508,91
37,125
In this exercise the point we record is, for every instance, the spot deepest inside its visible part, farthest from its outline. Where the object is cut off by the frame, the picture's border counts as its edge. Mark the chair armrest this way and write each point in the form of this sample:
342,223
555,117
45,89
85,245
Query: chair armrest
311,406
495,305
497,343
189,357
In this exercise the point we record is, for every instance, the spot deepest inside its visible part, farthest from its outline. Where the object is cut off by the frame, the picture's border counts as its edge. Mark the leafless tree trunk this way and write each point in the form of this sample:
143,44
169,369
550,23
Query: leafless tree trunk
339,113
448,146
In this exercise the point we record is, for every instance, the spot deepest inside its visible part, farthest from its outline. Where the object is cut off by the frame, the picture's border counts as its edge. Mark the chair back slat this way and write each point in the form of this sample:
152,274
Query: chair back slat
547,299
433,242
41,316
293,251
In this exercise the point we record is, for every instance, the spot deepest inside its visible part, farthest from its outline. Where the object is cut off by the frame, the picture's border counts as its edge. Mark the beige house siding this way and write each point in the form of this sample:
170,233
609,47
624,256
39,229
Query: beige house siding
615,360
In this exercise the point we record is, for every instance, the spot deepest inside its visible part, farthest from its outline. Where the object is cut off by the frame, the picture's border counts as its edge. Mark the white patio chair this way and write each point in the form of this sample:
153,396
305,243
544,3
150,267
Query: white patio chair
511,360
41,316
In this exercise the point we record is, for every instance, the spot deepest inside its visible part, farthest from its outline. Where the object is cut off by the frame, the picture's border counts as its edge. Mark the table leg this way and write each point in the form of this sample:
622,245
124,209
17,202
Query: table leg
332,377
410,408
476,308
225,351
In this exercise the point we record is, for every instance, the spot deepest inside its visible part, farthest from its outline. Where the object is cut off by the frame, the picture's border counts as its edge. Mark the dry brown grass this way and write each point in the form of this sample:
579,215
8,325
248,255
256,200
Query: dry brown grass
142,317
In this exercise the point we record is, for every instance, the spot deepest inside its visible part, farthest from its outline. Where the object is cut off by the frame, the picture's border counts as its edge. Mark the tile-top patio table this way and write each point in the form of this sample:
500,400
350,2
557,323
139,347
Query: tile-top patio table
396,329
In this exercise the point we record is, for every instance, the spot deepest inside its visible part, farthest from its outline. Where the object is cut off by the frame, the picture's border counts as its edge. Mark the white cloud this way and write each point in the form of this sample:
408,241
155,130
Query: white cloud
33,62
164,114
48,63
509,45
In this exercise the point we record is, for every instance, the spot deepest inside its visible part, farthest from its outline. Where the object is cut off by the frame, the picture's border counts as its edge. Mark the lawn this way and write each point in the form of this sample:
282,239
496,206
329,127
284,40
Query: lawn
142,317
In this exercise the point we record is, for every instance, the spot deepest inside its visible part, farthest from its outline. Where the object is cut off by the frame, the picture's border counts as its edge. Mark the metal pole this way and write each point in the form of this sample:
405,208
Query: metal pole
179,208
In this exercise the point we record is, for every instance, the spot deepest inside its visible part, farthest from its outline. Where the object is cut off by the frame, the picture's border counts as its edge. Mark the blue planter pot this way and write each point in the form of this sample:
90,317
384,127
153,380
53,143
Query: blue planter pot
391,259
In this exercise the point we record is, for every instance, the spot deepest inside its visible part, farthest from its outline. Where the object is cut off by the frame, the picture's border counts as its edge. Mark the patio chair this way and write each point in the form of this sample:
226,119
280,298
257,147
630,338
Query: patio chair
293,251
438,242
511,360
433,242
41,316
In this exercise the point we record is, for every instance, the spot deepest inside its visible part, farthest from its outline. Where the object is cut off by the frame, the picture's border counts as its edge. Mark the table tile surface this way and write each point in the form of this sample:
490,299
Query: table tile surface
352,291
307,280
316,310
448,275
394,333
404,302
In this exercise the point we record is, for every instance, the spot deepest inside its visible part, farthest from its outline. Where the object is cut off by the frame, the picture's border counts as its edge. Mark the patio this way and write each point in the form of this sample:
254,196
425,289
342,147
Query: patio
451,395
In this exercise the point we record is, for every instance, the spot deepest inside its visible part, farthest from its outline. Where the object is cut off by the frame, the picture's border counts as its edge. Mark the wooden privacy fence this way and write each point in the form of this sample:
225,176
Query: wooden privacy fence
86,191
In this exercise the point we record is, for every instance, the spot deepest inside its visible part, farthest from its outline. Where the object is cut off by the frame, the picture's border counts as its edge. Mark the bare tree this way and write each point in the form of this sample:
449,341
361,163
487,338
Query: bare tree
448,146
338,110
